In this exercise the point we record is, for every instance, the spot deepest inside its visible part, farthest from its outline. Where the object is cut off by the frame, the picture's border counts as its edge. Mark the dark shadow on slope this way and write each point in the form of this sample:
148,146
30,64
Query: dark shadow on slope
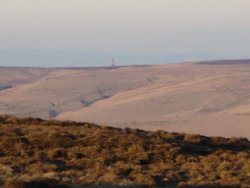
101,96
202,145
4,86
52,113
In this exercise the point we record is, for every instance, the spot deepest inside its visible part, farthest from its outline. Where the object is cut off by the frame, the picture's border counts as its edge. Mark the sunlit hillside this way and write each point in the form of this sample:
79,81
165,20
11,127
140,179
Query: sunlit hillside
209,98
34,150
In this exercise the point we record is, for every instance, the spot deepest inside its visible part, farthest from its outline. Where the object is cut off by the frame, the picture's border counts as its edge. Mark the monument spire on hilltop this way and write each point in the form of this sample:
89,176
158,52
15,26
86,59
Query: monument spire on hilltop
113,63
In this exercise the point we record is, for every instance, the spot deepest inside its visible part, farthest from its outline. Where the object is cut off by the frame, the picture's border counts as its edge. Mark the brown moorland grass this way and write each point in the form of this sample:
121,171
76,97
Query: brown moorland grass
34,151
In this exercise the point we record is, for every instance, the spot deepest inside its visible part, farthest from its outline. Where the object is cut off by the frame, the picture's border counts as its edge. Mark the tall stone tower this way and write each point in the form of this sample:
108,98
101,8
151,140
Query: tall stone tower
113,62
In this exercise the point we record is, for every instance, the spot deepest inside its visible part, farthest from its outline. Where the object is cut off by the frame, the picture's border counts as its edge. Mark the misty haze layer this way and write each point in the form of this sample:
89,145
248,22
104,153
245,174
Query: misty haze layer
90,33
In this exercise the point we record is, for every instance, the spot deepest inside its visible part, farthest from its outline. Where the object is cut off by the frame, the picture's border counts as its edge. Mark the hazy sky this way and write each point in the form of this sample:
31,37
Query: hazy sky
91,32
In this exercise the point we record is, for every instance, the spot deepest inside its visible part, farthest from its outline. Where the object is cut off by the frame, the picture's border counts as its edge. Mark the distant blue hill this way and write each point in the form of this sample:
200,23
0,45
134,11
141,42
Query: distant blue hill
48,58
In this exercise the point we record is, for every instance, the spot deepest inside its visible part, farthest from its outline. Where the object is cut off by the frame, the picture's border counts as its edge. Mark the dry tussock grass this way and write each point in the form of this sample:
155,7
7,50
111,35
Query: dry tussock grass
32,150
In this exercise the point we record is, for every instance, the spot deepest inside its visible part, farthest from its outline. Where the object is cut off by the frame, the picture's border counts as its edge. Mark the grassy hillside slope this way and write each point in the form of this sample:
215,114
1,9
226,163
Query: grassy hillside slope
210,98
34,150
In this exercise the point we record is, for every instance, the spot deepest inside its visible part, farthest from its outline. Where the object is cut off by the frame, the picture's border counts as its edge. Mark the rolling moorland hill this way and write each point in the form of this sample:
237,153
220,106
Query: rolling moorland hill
209,98
48,153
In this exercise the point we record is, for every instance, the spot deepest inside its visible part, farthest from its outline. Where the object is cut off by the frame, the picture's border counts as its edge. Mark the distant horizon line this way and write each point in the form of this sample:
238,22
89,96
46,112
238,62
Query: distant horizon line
50,58
222,61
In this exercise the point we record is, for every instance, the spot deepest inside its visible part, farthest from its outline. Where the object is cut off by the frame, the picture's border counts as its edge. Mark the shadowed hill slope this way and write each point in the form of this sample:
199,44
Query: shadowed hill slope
82,153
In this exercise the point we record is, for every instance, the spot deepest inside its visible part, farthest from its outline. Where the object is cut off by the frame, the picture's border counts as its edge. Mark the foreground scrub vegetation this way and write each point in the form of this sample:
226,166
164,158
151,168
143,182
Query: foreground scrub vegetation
34,150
